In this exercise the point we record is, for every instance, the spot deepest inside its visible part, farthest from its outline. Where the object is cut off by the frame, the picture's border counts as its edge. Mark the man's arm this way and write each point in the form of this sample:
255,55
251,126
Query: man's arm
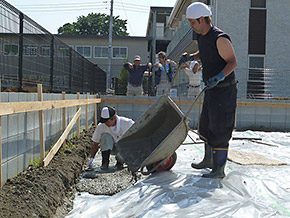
149,65
196,56
226,51
94,149
128,65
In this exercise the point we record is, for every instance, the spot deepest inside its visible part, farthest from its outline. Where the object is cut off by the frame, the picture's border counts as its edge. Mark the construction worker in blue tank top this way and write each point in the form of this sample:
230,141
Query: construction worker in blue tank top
218,60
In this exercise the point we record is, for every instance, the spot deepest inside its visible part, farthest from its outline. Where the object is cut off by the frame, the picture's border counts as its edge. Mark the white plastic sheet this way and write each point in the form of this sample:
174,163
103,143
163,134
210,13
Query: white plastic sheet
246,191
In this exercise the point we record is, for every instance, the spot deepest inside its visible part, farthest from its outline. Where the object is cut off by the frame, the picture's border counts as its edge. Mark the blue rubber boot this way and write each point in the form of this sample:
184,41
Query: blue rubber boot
220,156
207,161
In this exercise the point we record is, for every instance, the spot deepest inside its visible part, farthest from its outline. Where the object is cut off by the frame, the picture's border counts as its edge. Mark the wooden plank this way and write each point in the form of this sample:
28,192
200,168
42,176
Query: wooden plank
29,106
63,118
95,112
60,141
78,121
186,102
1,183
40,120
87,121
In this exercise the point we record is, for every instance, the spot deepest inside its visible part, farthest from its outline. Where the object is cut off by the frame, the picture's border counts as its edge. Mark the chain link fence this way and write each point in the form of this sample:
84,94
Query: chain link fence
30,55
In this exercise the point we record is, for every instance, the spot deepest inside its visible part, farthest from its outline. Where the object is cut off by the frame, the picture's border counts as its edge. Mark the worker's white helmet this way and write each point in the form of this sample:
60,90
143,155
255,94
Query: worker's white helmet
197,10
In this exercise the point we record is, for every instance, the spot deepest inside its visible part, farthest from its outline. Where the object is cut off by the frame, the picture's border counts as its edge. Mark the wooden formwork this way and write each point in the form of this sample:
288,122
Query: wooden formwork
40,105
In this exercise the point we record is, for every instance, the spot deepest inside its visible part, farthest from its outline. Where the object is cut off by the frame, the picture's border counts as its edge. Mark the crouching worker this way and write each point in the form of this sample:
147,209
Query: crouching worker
108,132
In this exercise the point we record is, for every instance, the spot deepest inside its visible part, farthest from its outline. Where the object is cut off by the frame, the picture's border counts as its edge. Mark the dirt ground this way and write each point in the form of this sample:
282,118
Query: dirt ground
49,191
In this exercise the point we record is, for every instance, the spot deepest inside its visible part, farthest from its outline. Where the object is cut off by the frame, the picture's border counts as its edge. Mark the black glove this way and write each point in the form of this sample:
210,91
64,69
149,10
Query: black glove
185,57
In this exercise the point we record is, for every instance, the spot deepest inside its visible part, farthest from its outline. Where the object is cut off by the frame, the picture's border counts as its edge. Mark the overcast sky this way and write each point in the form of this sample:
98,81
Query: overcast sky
54,13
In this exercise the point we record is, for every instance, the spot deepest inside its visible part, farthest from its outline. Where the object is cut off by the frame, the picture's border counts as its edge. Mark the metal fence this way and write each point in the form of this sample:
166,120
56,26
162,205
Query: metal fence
30,55
256,83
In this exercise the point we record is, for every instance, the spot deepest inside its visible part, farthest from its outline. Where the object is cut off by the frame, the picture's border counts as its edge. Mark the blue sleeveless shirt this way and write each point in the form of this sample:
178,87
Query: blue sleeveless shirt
212,62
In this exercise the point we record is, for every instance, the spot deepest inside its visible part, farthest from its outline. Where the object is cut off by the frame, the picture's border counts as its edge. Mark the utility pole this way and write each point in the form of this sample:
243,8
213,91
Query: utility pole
110,47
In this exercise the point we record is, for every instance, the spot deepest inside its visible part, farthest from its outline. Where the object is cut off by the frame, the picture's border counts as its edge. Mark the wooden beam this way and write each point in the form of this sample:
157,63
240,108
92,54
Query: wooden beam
63,118
40,120
29,106
87,122
1,183
95,112
78,120
60,141
187,102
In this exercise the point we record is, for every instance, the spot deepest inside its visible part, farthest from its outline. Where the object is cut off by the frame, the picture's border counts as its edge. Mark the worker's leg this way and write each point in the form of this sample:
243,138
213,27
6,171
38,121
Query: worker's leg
219,161
138,91
106,144
203,131
222,107
130,90
120,162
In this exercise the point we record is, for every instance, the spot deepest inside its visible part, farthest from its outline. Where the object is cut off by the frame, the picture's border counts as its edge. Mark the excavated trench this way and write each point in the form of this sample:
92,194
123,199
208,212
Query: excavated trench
49,191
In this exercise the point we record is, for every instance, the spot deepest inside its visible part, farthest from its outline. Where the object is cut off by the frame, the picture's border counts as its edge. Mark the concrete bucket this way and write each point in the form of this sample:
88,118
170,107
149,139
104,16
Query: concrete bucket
155,135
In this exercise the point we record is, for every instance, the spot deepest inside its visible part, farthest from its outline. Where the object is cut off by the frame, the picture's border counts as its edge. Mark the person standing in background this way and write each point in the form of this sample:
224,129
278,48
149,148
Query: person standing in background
136,70
164,71
194,74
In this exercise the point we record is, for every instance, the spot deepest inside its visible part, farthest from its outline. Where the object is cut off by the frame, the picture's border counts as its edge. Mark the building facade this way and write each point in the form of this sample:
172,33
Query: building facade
158,30
259,31
95,49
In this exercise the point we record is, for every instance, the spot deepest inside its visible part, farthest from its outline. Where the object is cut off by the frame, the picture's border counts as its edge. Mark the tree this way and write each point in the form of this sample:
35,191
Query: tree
123,80
95,24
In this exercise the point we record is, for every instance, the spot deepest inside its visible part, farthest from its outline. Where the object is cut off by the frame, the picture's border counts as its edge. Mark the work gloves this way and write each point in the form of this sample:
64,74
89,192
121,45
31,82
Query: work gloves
185,57
213,81
90,163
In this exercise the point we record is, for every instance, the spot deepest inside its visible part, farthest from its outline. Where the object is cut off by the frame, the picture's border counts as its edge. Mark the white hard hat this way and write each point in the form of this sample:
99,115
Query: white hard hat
197,10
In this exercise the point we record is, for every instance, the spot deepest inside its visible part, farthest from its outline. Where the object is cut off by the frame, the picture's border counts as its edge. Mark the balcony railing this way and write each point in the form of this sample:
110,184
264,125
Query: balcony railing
181,32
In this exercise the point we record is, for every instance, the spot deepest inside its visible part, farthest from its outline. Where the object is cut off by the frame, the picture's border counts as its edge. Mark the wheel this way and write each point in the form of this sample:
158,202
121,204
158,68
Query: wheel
167,165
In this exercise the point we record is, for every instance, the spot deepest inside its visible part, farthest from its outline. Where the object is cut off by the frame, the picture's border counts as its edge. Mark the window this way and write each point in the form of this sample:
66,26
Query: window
45,50
29,50
258,3
86,51
10,49
257,31
101,52
63,51
120,52
256,81
256,68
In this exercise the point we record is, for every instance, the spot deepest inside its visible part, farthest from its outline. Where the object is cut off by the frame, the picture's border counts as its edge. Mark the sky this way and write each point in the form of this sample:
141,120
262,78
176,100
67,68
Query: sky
53,14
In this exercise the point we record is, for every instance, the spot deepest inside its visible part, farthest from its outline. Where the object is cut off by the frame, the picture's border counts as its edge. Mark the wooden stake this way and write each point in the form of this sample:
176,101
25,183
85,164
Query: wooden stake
95,112
87,122
0,144
78,120
41,130
60,141
63,118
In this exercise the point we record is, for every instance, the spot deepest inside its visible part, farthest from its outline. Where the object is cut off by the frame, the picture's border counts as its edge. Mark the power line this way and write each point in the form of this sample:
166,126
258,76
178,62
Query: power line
58,4
81,9
65,10
78,5
127,19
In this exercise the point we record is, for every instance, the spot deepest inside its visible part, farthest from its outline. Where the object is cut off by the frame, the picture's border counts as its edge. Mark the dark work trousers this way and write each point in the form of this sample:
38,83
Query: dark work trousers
218,116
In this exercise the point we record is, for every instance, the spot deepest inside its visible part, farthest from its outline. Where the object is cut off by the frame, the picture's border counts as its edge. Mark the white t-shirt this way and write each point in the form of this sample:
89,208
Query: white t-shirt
194,78
117,131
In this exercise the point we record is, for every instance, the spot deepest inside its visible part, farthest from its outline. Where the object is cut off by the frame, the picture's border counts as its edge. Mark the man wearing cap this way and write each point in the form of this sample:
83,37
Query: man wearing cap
218,59
110,130
164,71
194,74
136,70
